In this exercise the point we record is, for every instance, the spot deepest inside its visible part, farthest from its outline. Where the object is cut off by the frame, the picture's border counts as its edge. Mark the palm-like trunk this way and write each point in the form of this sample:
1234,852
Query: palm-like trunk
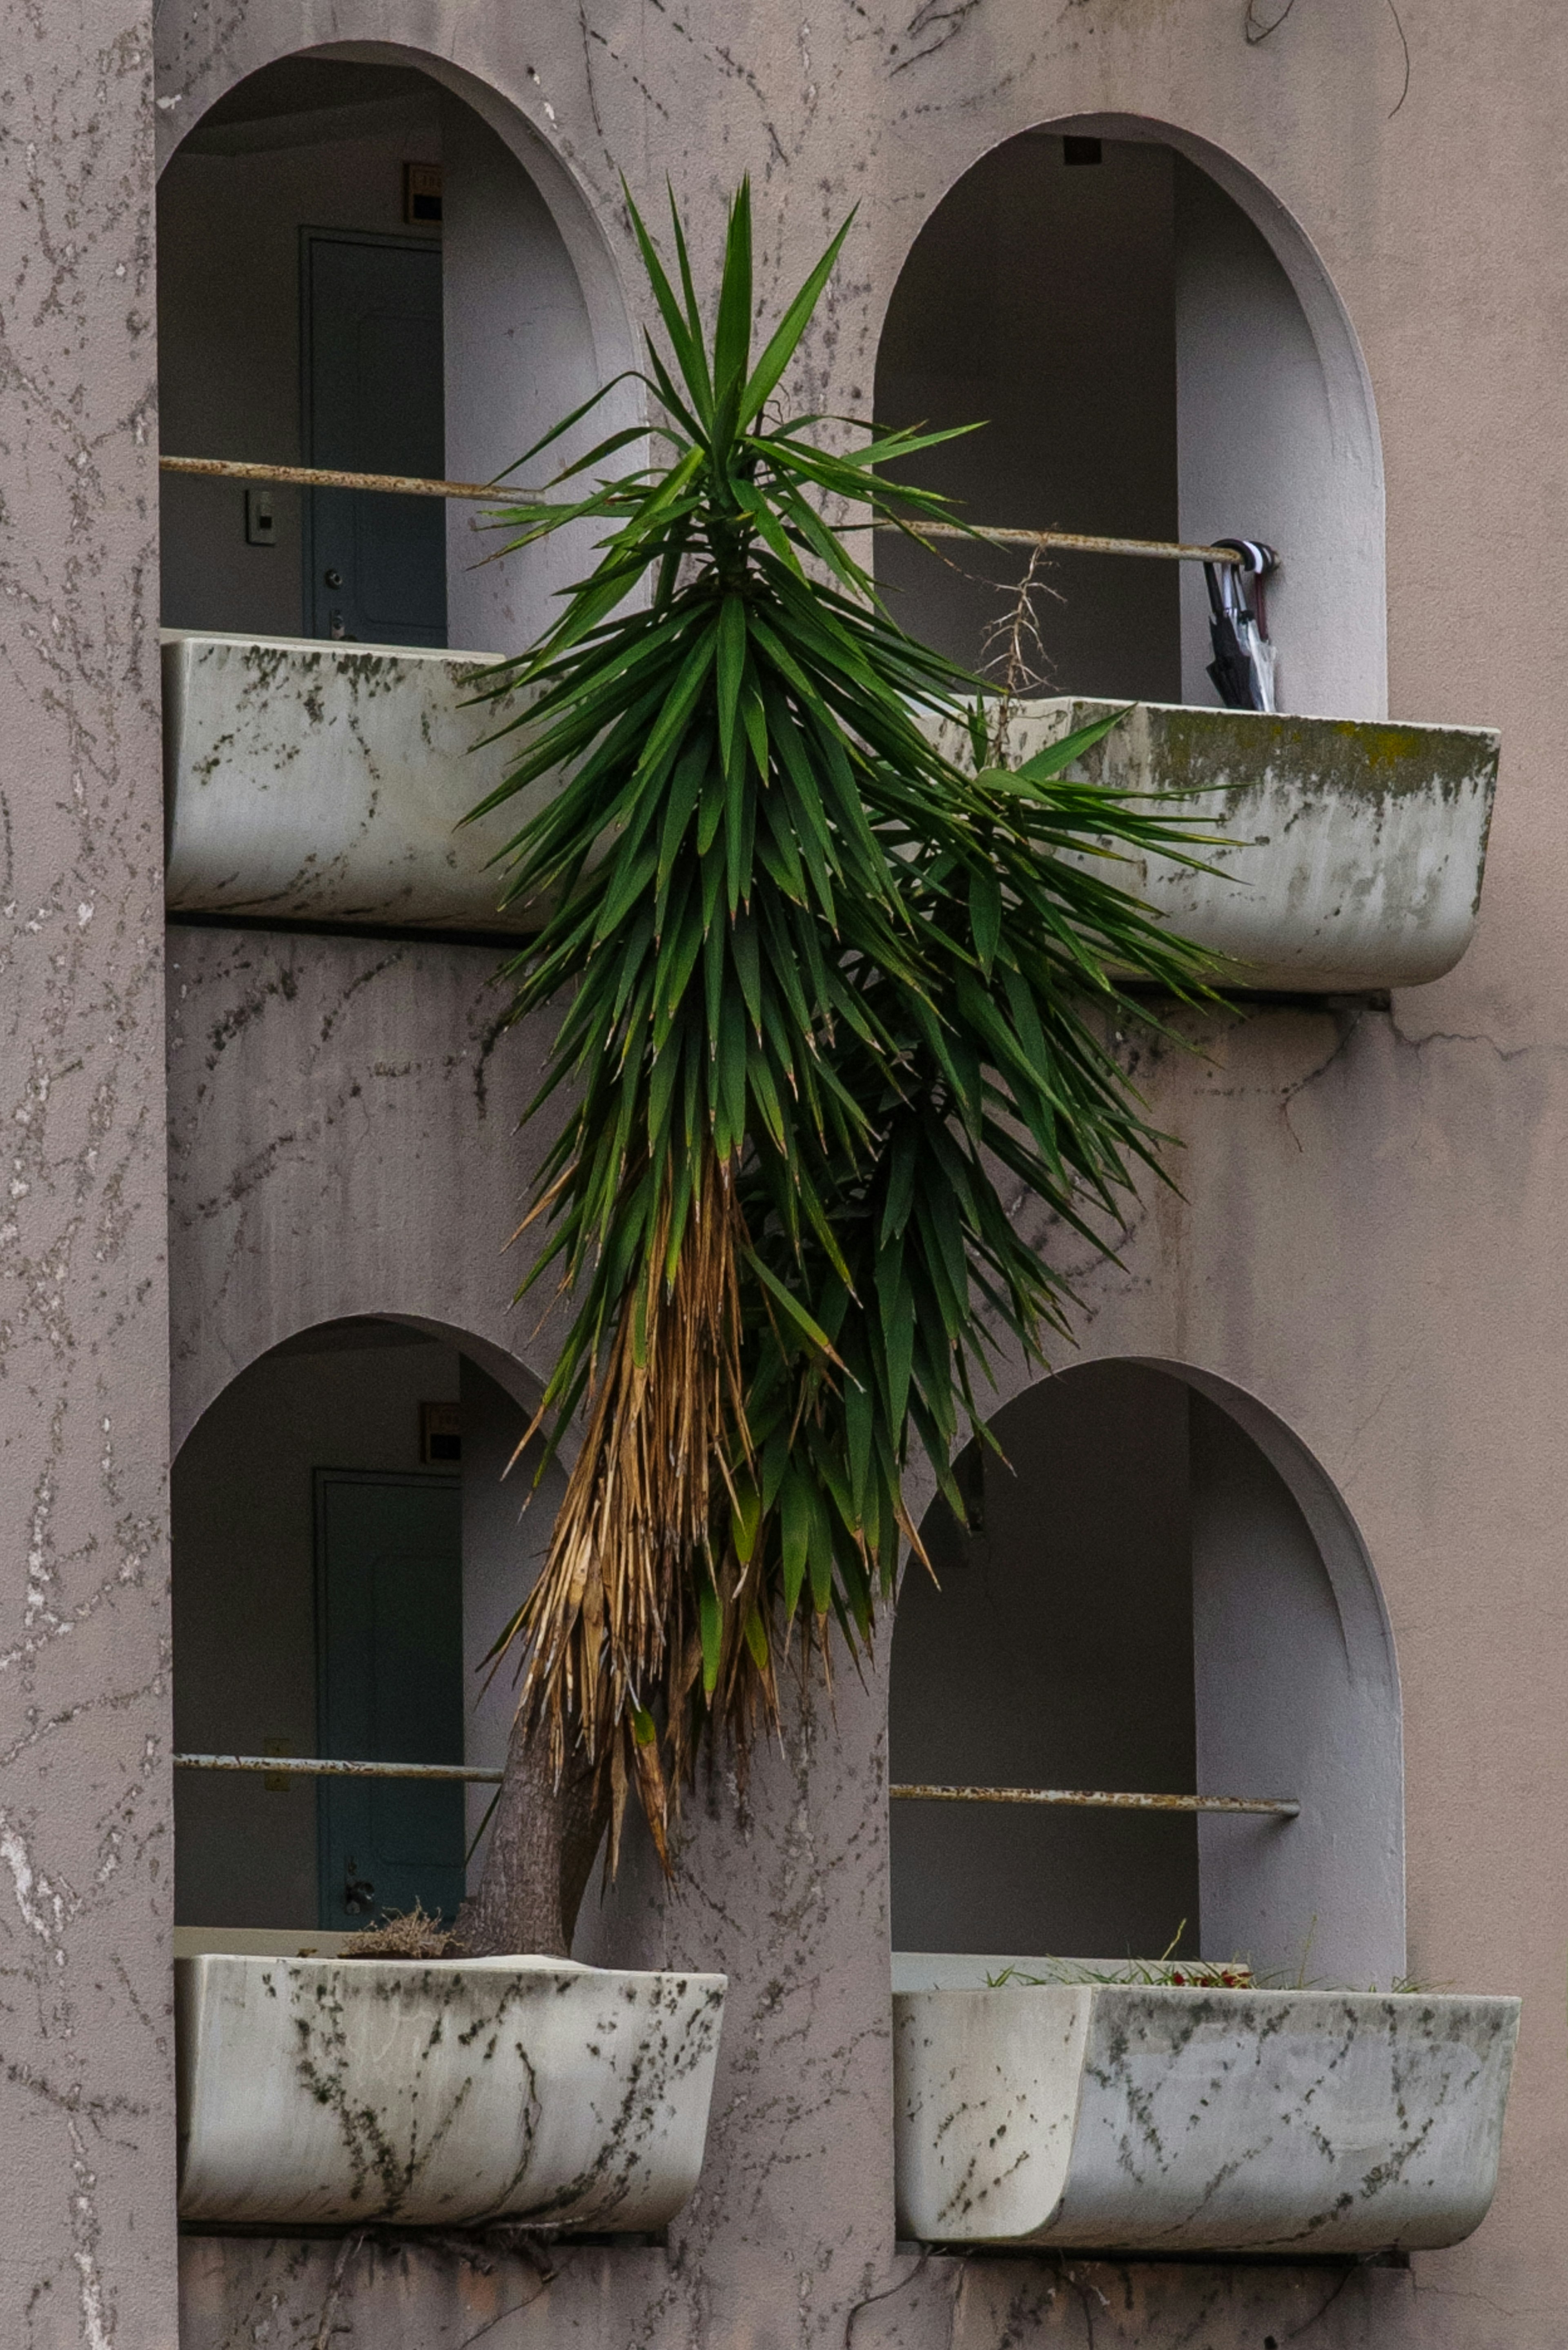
543,1841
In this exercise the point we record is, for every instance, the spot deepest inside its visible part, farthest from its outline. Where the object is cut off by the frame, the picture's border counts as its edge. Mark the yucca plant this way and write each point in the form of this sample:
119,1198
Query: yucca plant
828,996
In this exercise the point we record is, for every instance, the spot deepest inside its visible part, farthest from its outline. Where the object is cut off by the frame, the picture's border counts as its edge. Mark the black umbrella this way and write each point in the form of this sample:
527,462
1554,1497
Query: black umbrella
1242,669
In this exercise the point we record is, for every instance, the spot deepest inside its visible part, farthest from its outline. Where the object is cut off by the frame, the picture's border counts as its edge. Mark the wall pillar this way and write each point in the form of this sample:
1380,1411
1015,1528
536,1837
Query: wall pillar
86,2106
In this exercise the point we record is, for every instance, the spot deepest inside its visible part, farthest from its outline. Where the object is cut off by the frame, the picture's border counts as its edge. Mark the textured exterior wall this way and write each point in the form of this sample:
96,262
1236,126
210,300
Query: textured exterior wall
1370,1241
563,2297
343,1118
343,1121
343,1124
86,2139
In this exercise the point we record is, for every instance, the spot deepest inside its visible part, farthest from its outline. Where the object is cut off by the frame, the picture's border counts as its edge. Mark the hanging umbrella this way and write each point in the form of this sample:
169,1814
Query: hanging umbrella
1242,669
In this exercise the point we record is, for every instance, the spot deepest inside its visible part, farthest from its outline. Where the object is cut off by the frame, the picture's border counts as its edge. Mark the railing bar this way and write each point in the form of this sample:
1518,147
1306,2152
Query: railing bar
414,485
1093,1799
1073,541
316,1766
328,477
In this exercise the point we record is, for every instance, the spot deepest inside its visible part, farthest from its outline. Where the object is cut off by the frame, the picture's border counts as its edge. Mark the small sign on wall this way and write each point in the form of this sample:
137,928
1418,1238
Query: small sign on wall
422,195
440,1435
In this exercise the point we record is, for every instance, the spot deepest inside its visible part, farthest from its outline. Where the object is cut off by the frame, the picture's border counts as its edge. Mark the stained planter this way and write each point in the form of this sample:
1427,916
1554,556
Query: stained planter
325,783
1133,2118
320,2091
1343,854
313,782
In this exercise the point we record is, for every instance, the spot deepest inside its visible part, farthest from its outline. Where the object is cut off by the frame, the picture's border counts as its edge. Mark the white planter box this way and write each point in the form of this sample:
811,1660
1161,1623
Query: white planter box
1356,848
1124,2118
320,2091
313,782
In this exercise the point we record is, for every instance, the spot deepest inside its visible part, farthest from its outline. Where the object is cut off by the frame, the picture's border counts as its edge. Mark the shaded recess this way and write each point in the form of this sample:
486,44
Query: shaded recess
1157,1592
345,1550
357,269
1153,350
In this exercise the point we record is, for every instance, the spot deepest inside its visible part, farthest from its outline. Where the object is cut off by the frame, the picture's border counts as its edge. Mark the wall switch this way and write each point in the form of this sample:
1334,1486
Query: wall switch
261,519
440,1434
422,195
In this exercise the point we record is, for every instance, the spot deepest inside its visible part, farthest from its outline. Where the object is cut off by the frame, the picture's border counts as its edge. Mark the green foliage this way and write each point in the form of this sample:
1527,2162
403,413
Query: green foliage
818,983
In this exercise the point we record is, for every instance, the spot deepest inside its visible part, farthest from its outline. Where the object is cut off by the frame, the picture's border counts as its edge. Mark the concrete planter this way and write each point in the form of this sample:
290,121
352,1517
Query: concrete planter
320,2091
1127,2119
311,781
1356,848
325,783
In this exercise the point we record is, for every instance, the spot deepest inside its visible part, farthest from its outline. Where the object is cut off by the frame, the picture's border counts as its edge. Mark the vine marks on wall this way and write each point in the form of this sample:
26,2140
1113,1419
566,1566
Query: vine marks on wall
1258,29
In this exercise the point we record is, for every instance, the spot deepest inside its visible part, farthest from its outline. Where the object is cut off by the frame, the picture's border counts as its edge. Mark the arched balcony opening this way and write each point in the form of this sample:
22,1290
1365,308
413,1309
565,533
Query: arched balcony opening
1155,351
358,270
1158,1591
368,263
345,1552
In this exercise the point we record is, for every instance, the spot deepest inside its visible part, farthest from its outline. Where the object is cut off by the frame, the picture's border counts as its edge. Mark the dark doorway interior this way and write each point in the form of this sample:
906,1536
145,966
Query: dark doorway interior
1038,304
353,1525
299,320
389,1580
1054,1649
371,400
318,1608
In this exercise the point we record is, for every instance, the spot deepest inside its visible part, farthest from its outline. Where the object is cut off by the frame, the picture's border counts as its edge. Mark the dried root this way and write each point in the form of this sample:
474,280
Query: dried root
612,1625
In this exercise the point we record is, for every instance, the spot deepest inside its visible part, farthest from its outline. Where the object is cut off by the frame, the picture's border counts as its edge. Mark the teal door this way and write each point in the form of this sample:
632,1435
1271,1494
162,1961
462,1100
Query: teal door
389,1572
374,403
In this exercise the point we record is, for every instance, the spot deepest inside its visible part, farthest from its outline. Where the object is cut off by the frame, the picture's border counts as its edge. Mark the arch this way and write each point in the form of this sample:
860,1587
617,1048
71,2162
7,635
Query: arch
1270,431
569,201
200,1382
567,197
1155,1512
318,1443
533,320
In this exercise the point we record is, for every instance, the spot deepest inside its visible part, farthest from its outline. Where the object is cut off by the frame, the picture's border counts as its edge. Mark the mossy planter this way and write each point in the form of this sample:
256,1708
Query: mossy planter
1134,2118
327,783
324,2091
1346,854
322,783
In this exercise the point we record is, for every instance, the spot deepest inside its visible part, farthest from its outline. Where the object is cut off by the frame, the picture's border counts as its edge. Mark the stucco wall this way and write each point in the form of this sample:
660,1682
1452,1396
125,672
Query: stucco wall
1369,1245
444,2299
343,1117
1369,1242
86,2244
278,1044
519,356
506,1522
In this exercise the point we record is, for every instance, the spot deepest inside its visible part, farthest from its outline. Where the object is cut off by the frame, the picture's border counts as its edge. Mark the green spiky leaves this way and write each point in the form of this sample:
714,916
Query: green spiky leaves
823,994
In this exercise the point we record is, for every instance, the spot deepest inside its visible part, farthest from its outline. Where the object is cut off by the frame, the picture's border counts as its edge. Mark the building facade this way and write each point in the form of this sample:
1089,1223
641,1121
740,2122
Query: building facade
1204,268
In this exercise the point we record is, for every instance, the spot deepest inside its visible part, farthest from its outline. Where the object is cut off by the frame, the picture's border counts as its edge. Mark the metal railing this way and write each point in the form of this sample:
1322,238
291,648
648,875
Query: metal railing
1284,1807
1073,1798
414,485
